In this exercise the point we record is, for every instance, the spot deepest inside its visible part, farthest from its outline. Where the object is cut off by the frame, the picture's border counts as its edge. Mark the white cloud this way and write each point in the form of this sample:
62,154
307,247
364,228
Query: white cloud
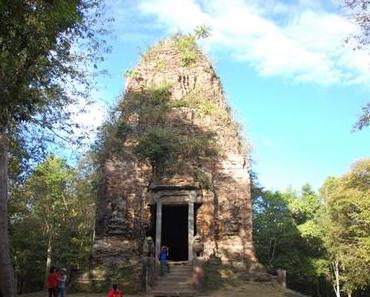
93,116
176,14
301,41
88,116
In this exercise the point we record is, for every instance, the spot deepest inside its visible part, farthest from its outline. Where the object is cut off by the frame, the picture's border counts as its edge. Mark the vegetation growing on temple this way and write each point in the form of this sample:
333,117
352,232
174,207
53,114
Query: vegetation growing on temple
154,140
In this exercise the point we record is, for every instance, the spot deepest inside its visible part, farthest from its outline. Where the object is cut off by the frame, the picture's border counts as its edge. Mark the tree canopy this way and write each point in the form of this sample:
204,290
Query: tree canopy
46,50
347,226
359,14
43,70
287,235
321,240
52,221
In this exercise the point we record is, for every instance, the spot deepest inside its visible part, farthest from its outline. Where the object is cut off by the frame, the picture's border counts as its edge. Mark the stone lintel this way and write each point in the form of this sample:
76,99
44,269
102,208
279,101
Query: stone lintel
162,187
174,195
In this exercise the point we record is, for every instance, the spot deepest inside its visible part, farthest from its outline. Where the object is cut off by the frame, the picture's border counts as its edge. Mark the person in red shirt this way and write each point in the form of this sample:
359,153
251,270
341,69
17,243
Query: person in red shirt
114,292
52,282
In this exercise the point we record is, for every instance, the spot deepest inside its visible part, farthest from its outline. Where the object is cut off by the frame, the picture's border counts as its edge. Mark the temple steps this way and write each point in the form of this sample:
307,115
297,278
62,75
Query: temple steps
176,283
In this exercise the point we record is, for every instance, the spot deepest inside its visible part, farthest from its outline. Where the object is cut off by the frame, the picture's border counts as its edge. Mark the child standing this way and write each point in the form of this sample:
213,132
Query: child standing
61,282
163,258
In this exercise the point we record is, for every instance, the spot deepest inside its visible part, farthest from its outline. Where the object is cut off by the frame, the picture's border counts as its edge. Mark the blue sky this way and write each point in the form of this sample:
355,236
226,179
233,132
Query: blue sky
292,81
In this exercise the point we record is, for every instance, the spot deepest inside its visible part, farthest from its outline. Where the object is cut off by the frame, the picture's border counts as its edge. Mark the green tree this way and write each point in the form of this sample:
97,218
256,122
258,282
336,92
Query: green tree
273,226
38,68
348,228
28,245
287,235
47,190
307,211
58,204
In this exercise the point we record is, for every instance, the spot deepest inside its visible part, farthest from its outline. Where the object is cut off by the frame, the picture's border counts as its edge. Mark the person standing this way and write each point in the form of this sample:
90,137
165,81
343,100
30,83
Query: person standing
114,292
52,282
163,258
62,277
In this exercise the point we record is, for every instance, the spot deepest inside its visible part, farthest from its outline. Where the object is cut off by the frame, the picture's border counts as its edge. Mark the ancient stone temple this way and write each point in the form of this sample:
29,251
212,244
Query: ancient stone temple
173,168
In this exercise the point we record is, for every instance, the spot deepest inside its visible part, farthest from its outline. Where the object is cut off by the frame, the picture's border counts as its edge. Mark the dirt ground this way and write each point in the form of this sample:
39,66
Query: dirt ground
254,289
247,289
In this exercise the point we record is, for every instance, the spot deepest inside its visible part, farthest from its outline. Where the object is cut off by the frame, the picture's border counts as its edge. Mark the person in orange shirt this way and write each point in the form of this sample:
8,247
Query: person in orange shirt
52,282
114,292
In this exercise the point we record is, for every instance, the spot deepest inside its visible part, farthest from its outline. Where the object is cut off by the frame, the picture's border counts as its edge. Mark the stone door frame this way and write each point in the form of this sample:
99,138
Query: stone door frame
161,195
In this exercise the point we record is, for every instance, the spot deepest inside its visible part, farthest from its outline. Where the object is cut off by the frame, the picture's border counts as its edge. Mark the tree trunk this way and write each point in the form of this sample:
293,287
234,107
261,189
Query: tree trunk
7,283
318,293
48,258
273,244
336,283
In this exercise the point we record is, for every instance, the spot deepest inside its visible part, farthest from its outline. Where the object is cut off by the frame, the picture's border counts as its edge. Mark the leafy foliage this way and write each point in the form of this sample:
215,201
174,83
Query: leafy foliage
39,66
52,216
187,44
154,140
319,240
150,104
155,104
287,235
42,72
364,120
197,100
202,147
203,179
157,145
202,31
111,136
347,225
360,15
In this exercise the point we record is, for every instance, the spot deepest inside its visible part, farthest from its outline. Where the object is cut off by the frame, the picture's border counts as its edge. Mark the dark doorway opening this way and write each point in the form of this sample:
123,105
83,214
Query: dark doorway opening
175,231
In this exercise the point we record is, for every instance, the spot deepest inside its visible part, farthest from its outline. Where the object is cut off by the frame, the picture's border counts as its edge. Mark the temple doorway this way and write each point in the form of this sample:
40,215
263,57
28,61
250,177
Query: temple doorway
175,231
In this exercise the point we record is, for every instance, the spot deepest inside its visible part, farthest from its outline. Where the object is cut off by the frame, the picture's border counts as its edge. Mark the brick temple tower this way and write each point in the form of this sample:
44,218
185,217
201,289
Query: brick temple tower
173,166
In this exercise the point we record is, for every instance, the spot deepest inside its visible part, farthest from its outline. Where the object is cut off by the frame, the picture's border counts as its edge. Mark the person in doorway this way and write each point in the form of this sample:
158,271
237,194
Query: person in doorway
52,282
114,292
62,277
163,258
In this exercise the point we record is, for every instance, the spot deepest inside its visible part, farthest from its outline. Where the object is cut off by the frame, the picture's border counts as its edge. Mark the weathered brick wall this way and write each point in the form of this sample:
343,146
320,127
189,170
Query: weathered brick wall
224,218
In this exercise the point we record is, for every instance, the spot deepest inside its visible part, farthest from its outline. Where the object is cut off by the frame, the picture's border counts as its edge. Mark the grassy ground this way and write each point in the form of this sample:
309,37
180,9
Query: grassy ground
247,289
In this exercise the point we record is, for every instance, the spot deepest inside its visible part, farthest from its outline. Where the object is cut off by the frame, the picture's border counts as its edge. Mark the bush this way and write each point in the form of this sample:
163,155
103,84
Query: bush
156,145
186,45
